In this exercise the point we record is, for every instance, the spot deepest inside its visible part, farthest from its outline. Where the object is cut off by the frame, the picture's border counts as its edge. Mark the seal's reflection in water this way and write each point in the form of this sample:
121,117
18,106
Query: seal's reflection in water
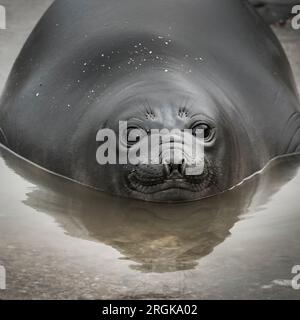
156,237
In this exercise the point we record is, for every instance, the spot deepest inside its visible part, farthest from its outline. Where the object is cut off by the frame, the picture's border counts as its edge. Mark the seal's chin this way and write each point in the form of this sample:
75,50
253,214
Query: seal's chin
175,188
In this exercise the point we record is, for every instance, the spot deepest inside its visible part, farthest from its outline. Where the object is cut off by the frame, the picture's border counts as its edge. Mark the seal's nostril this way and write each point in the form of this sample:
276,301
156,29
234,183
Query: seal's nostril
174,170
182,167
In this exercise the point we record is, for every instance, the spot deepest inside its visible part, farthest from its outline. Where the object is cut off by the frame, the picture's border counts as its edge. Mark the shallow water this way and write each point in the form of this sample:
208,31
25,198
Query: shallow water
61,240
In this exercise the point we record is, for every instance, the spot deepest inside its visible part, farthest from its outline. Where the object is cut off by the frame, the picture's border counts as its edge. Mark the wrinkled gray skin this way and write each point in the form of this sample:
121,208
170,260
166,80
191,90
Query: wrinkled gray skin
89,64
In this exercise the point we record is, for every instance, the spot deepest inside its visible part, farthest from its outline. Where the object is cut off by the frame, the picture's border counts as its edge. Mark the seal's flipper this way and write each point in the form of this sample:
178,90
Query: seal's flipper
274,11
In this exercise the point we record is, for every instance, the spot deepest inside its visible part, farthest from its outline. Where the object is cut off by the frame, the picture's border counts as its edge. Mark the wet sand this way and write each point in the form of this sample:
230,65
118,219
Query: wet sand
59,240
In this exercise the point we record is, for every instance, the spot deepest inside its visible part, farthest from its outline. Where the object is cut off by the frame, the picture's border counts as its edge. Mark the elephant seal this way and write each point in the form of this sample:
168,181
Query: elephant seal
211,65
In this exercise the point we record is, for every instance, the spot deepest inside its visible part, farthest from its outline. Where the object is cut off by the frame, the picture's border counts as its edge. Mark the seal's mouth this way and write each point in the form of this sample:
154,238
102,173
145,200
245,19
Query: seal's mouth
154,181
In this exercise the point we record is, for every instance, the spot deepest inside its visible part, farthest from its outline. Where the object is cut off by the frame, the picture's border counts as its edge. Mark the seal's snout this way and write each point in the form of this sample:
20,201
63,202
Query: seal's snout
170,173
182,161
183,170
174,171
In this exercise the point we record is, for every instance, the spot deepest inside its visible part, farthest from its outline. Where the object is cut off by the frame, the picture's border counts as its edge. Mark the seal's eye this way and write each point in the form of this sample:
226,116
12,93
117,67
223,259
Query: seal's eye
134,135
208,131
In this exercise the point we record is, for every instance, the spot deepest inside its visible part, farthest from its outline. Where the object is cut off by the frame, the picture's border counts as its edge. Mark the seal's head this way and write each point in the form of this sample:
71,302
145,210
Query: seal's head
162,101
